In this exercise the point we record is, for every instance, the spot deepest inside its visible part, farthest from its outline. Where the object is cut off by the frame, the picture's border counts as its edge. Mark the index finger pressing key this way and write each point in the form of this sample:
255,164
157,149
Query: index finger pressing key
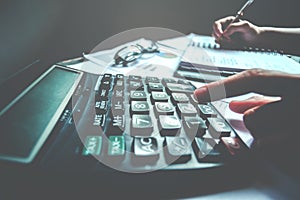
231,86
255,80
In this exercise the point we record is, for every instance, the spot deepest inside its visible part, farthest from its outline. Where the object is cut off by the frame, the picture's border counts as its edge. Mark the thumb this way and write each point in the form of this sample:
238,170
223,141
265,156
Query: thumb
269,120
252,102
274,127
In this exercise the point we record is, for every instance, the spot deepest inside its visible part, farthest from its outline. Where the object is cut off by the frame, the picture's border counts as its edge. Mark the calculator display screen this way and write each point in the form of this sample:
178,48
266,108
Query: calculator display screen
28,120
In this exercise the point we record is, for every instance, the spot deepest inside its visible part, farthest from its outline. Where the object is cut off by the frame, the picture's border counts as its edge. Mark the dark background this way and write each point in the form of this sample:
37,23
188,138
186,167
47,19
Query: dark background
56,30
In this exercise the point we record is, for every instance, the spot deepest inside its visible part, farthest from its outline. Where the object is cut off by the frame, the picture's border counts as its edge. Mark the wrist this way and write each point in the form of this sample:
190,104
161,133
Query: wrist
265,37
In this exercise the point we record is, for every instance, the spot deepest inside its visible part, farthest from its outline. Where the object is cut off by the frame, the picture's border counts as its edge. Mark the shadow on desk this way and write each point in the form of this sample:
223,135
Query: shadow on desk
228,182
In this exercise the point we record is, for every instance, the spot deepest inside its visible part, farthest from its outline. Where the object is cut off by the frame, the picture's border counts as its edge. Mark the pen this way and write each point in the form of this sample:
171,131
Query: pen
71,61
240,13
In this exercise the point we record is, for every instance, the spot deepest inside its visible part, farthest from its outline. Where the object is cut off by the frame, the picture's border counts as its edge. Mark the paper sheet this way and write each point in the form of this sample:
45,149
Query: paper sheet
239,59
161,64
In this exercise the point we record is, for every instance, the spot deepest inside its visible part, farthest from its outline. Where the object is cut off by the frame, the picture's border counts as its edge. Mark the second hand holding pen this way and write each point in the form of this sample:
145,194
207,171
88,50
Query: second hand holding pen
239,14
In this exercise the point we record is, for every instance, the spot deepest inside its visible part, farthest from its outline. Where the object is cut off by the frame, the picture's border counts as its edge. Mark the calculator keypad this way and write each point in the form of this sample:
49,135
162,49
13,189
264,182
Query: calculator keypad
152,123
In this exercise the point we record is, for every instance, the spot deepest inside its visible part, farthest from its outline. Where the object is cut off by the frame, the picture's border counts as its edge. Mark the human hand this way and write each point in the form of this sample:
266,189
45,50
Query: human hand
270,120
237,34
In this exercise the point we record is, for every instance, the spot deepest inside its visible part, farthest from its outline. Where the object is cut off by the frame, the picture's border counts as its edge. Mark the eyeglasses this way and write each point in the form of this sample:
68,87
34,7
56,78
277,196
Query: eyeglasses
131,53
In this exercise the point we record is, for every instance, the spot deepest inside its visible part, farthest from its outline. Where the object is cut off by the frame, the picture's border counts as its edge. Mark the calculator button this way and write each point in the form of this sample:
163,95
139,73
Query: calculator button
101,107
179,88
152,80
92,145
145,150
234,145
116,125
155,87
145,146
99,120
179,98
116,146
119,84
103,94
193,99
169,125
107,77
186,109
207,111
177,150
119,76
164,108
138,96
185,82
194,126
105,84
117,105
136,85
141,125
118,93
135,78
205,150
218,127
159,97
165,81
139,107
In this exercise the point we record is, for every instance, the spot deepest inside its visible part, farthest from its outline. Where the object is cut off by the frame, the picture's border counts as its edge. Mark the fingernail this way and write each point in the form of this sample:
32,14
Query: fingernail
202,94
236,106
